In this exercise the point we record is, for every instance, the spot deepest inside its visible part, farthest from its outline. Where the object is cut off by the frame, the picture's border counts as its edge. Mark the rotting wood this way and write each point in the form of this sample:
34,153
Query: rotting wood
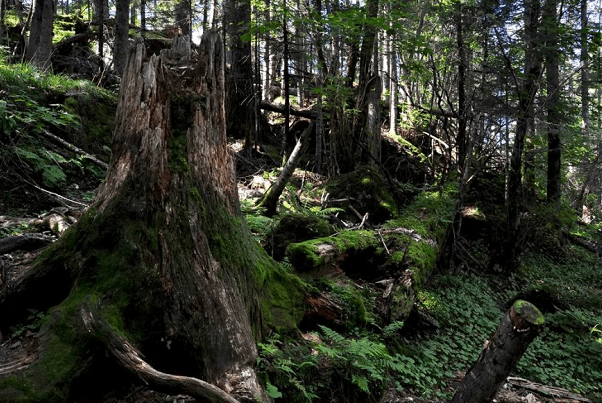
501,352
131,359
23,242
323,309
295,112
555,392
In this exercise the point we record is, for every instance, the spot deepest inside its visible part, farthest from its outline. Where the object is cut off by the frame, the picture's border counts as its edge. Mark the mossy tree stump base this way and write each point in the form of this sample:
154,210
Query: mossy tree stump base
162,265
519,327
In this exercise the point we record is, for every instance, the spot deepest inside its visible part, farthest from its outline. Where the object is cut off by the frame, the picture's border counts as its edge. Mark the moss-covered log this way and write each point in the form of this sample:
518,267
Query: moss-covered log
163,255
519,326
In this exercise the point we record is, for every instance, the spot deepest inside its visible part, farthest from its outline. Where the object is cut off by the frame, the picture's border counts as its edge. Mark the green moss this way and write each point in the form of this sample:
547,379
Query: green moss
312,254
527,309
422,259
397,257
294,228
429,214
370,193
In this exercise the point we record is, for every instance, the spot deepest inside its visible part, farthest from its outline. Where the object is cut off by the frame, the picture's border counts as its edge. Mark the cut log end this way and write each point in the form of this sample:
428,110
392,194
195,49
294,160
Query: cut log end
526,316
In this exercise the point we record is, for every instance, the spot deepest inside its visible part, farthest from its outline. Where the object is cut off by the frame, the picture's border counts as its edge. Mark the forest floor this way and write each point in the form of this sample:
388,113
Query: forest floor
465,305
18,348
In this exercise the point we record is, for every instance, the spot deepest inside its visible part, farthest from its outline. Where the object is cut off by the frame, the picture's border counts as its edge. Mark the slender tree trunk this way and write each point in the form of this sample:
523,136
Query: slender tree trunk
239,102
270,199
533,57
393,85
550,27
584,70
143,18
288,138
183,17
366,124
462,63
39,48
122,46
100,13
2,25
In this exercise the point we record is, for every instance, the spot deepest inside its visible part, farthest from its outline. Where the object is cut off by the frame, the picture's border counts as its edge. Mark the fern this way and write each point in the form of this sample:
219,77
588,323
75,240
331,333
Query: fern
334,336
393,328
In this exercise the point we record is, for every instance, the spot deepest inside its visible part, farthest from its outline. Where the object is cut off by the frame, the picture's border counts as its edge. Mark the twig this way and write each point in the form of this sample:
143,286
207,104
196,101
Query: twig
58,196
75,149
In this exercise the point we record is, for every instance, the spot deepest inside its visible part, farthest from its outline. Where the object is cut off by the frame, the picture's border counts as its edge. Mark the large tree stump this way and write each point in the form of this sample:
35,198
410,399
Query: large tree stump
519,326
163,257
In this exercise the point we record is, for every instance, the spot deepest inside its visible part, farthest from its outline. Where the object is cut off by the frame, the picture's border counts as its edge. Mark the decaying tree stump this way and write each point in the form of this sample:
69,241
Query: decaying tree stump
501,352
162,265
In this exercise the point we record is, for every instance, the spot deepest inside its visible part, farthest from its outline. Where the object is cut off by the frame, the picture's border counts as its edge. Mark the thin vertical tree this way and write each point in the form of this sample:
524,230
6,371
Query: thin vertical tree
550,32
39,48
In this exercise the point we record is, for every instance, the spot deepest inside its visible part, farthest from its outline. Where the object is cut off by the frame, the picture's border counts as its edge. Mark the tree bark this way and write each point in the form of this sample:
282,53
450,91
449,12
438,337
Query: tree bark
39,48
183,17
501,352
550,27
526,97
122,46
239,102
163,254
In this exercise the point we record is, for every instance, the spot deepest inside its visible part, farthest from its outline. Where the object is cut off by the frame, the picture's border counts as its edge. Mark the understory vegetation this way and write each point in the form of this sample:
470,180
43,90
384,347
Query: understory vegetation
416,338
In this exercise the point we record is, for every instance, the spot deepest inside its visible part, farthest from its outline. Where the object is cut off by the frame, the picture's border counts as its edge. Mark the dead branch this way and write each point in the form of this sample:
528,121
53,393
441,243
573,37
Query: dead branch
75,149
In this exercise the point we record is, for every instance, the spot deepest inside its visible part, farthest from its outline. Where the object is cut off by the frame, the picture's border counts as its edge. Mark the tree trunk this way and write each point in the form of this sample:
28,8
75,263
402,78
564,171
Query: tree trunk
39,48
183,17
550,26
584,70
270,199
366,124
162,260
526,95
462,63
122,46
501,352
239,102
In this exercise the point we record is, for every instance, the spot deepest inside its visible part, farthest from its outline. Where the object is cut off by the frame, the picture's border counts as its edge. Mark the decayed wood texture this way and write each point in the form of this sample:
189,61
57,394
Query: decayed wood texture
172,167
163,248
519,326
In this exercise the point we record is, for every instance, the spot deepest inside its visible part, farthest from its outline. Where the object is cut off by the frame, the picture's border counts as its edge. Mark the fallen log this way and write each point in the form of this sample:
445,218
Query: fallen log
27,242
555,392
501,352
280,109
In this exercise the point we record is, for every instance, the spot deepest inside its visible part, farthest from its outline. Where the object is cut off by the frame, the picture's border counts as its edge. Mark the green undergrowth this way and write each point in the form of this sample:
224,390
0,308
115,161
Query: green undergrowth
567,354
327,364
35,103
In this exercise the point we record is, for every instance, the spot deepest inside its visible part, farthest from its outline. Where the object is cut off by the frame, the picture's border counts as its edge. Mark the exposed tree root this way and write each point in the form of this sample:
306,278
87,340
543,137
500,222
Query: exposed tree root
131,358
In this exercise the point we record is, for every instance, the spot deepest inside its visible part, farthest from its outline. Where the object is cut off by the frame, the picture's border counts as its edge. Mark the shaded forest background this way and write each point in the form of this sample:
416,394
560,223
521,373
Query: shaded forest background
449,162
